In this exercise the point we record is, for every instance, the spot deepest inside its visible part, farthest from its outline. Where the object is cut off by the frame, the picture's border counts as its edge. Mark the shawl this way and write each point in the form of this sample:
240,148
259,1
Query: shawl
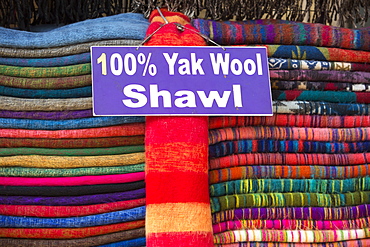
74,49
292,33
82,242
69,211
62,190
267,185
72,181
43,154
48,93
290,133
93,122
298,213
80,32
319,85
287,224
354,243
289,120
321,75
44,72
130,129
69,233
276,63
47,115
73,200
23,104
327,96
70,172
320,108
46,83
290,159
134,155
99,142
132,243
284,171
296,236
132,214
294,199
286,146
47,62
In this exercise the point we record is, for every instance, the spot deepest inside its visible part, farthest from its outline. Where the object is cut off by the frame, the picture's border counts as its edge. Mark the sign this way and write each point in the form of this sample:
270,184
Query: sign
162,80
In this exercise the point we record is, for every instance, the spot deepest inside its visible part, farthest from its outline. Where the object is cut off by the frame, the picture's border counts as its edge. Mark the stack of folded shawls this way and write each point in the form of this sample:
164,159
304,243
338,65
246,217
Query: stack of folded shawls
300,177
67,178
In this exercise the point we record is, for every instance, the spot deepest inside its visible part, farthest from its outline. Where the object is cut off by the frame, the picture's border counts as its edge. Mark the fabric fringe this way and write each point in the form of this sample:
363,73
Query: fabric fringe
23,14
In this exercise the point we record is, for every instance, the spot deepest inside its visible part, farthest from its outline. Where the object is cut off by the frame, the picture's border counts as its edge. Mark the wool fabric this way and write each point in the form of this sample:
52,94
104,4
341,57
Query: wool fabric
44,72
80,32
348,243
73,200
80,221
46,83
82,242
294,33
319,85
72,181
78,190
291,120
55,172
69,211
178,211
68,233
290,133
62,152
296,236
47,115
46,94
127,243
130,129
51,52
47,62
298,213
92,122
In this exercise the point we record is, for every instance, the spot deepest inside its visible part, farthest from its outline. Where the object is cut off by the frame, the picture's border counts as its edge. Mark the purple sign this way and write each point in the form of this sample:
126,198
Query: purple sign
162,80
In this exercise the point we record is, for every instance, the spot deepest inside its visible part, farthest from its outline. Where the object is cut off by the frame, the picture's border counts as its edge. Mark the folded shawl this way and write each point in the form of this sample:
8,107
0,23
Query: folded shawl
293,33
79,32
81,242
132,214
68,233
73,200
46,93
354,243
319,85
128,243
136,156
47,115
46,62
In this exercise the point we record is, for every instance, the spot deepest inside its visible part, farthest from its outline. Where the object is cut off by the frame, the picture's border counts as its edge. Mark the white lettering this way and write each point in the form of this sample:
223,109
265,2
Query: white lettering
196,65
249,67
171,62
237,92
140,99
184,68
214,96
187,99
219,61
155,94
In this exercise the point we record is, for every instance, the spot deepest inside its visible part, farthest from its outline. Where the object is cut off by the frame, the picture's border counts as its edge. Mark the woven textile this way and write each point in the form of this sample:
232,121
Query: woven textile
42,72
298,213
63,152
178,212
77,190
348,243
55,172
131,129
69,233
47,115
69,211
82,242
129,243
44,94
293,33
80,32
319,85
46,62
294,64
73,49
81,221
46,83
73,200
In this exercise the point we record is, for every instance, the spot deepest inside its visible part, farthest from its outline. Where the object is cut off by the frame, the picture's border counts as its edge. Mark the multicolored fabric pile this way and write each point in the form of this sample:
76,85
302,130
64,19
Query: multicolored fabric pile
300,177
67,178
